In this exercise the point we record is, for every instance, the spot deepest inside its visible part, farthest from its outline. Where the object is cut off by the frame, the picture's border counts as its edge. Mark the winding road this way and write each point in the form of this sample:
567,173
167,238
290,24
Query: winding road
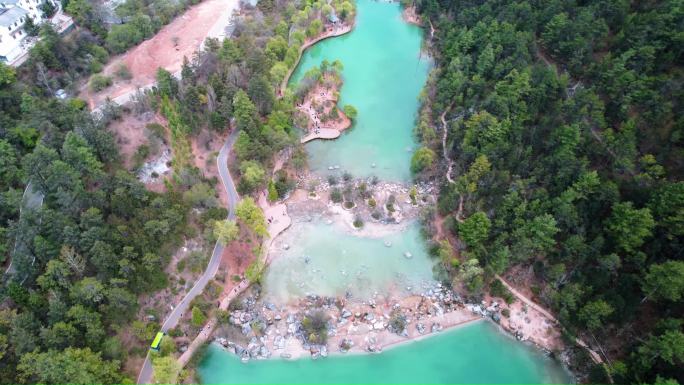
145,376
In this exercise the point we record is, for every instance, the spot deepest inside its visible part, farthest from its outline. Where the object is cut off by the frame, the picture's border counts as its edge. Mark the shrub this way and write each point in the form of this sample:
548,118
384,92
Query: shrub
315,328
180,266
272,192
336,195
252,176
332,180
198,317
497,289
422,159
372,203
397,322
363,190
99,82
156,130
350,111
144,331
506,313
390,203
196,261
254,270
99,53
283,183
122,72
348,204
141,154
167,346
358,222
123,36
95,67
376,215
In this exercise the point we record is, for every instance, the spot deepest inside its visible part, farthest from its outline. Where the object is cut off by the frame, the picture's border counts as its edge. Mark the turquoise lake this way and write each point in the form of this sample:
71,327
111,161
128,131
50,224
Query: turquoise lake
477,353
384,72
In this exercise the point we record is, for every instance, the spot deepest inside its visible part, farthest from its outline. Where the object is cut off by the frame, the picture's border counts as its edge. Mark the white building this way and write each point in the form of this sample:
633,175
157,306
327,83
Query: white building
14,43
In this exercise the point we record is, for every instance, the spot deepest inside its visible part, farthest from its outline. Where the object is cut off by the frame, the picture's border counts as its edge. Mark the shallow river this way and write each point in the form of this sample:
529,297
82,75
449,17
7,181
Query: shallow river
384,73
325,259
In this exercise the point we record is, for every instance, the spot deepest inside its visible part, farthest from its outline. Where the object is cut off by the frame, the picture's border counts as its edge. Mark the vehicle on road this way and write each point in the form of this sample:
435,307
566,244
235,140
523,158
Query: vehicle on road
157,341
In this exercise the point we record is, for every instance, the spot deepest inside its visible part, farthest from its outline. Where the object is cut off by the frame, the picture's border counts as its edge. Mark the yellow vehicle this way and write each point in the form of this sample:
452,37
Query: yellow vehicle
157,341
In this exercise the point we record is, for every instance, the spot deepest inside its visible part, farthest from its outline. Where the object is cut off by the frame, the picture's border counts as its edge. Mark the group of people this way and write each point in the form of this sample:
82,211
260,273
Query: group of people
272,219
313,115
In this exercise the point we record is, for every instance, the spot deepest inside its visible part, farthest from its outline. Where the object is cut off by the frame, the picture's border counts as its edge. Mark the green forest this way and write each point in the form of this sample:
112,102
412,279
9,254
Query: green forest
79,260
563,127
566,133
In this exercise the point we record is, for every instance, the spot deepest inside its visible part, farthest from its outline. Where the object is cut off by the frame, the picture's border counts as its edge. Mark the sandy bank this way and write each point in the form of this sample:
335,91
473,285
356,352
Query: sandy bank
410,15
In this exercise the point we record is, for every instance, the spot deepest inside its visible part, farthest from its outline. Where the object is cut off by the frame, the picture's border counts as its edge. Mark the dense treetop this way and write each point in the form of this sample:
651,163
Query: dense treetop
576,108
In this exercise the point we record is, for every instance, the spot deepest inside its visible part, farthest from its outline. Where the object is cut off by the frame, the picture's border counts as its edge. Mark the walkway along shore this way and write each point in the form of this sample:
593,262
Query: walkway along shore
594,356
275,227
323,133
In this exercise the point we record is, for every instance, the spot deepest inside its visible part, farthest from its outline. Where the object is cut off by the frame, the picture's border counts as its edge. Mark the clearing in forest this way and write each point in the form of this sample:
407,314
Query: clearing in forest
180,38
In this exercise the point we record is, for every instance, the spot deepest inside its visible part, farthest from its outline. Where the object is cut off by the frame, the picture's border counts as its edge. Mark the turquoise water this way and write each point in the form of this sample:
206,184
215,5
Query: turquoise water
329,260
477,353
384,73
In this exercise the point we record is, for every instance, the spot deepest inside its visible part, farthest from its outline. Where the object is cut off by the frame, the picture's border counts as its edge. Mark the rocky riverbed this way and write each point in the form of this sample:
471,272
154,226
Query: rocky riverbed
266,330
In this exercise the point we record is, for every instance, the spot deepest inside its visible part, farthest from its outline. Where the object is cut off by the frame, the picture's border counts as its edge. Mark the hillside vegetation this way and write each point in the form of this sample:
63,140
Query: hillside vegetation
566,131
86,259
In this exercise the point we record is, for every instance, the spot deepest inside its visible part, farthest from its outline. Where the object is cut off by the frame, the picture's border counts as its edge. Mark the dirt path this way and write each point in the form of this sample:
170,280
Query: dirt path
594,356
445,152
450,162
208,329
180,38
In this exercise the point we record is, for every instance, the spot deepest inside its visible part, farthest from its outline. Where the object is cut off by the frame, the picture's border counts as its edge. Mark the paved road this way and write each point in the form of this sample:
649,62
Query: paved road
145,376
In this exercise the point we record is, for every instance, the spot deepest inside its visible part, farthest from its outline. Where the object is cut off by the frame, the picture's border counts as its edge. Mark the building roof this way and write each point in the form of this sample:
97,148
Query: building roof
12,15
8,3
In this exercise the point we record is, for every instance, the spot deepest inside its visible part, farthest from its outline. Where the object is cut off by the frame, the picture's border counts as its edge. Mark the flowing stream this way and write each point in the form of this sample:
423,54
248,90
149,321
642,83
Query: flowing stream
384,72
